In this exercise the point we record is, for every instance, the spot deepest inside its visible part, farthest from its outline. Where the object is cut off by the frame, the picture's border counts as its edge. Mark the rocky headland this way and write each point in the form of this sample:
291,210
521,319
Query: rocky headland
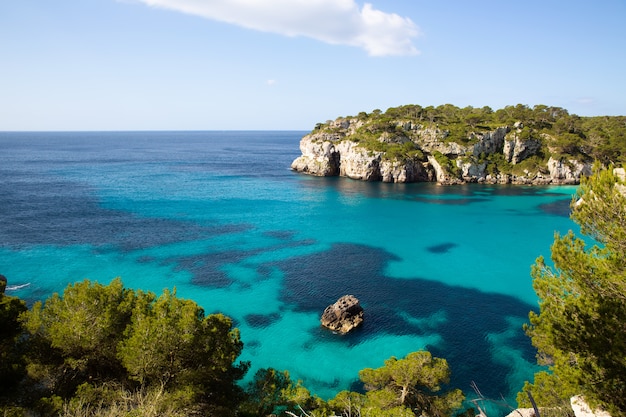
449,145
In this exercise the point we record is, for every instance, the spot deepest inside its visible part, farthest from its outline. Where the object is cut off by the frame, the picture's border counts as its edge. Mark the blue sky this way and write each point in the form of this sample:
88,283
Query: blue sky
289,64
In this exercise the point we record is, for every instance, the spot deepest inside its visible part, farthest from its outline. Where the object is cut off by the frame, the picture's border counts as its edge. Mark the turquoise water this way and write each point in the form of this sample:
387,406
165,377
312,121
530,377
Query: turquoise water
220,216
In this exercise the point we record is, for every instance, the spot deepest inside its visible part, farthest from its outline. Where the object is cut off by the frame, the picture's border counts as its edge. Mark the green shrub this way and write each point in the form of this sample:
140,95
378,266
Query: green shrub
447,164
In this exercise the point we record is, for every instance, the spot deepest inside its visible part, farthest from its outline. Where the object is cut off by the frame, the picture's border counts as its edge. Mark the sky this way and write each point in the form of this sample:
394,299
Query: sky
290,64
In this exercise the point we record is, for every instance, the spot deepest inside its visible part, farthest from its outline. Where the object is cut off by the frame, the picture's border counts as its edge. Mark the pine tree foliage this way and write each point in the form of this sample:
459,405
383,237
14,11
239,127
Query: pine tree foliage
580,330
101,344
11,363
414,382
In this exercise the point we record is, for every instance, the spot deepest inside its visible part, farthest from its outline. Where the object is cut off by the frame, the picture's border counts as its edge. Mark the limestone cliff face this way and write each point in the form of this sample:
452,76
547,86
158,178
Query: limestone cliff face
325,156
357,163
567,172
319,156
489,142
339,151
515,150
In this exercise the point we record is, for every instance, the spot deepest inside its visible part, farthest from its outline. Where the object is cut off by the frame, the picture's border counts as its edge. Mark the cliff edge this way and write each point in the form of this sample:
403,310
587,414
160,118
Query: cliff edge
449,145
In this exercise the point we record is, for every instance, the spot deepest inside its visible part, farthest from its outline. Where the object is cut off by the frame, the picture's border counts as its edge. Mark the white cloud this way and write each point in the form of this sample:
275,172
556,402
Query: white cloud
337,22
270,82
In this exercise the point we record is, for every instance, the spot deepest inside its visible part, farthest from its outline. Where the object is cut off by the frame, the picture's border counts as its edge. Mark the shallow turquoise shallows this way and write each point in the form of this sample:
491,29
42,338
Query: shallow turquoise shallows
222,218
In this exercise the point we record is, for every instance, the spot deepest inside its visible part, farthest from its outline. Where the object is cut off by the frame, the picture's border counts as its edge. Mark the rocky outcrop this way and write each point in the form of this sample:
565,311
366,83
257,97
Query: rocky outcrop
441,174
319,157
489,142
474,170
582,409
343,316
361,163
568,171
434,140
411,170
3,283
515,150
345,158
521,412
338,151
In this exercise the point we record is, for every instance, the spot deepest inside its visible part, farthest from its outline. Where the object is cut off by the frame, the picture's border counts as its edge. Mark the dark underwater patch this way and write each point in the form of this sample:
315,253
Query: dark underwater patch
42,209
441,248
281,234
146,259
206,268
46,210
557,208
312,282
252,344
261,320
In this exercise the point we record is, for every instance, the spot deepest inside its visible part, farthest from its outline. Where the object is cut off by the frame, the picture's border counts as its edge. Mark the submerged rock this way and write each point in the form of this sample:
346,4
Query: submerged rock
344,315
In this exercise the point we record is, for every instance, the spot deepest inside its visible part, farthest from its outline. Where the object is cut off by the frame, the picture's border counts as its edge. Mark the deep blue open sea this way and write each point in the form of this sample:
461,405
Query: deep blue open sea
221,217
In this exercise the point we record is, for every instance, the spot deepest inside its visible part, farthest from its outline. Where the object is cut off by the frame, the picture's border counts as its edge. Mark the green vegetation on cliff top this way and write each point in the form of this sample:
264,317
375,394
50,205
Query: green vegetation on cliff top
601,138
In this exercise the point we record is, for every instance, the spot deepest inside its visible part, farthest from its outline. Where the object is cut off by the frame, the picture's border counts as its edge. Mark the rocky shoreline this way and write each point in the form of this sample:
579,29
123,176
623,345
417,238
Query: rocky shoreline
337,151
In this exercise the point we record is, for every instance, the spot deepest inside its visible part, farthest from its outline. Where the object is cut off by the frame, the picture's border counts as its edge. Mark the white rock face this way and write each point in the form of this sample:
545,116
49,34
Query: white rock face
473,170
334,154
357,162
515,150
433,140
328,156
490,142
319,157
440,175
579,406
582,409
522,412
397,171
567,172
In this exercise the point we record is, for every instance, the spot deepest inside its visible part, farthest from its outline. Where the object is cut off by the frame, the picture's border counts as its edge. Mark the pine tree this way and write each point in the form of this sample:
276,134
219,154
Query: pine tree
413,382
580,330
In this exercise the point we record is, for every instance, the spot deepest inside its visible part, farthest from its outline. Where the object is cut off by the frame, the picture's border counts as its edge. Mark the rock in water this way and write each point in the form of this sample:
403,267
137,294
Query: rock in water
344,315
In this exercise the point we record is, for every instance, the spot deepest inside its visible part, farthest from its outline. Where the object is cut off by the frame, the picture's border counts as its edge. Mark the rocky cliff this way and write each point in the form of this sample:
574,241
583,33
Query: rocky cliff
399,150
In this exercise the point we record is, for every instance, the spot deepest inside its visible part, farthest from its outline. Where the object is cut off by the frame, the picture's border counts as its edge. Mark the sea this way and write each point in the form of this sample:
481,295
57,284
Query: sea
220,217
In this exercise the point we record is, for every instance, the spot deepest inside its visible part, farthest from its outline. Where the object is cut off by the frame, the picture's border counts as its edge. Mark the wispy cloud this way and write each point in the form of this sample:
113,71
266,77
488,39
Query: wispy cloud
337,22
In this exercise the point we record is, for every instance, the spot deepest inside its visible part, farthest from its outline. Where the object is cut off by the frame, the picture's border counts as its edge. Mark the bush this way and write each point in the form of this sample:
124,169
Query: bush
100,342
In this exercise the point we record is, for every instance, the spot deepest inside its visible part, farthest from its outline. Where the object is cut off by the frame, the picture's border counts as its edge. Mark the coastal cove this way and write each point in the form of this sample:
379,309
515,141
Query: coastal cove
222,218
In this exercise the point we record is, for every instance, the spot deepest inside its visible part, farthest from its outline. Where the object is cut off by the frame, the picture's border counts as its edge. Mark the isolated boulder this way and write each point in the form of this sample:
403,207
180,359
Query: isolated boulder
344,315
